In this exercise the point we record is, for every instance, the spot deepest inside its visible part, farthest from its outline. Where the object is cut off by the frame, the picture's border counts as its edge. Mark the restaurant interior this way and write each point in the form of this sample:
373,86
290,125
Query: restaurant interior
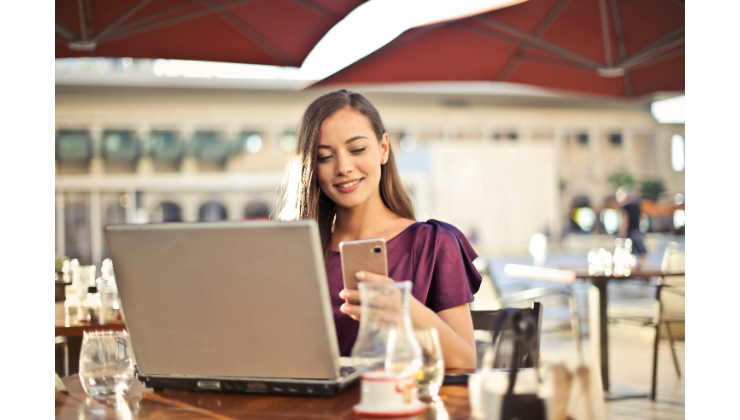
537,129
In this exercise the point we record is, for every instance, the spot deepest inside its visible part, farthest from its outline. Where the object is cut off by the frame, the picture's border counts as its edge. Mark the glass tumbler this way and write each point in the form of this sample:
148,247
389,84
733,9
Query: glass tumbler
429,377
106,365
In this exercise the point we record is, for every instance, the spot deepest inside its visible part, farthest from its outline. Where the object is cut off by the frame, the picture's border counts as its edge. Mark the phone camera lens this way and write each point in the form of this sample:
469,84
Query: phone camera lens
377,250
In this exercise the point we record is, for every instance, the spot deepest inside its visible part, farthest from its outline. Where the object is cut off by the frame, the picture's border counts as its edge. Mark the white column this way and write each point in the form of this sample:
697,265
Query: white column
96,225
628,154
559,139
60,223
132,206
524,134
190,205
145,164
97,164
594,152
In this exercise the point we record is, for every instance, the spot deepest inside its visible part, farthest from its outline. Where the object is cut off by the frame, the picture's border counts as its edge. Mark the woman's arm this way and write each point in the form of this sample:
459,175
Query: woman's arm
454,325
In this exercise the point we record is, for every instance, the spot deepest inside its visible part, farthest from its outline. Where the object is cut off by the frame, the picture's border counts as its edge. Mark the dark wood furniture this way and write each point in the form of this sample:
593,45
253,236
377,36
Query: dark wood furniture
145,403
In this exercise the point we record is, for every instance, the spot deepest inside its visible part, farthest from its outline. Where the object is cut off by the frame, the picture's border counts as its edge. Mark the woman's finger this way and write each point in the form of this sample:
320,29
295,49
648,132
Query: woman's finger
349,294
372,277
349,309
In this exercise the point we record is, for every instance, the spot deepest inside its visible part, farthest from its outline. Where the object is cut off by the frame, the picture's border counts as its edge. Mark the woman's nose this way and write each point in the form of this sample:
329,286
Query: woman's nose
344,164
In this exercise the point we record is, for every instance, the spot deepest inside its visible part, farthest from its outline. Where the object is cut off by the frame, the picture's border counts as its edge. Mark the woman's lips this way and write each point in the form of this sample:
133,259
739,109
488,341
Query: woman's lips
349,186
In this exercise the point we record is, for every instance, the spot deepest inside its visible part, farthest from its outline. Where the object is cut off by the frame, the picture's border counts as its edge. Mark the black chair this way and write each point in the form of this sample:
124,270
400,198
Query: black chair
529,357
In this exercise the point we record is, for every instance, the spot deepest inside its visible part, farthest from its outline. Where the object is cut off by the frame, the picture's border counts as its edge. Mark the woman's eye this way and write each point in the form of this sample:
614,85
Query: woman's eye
323,158
358,150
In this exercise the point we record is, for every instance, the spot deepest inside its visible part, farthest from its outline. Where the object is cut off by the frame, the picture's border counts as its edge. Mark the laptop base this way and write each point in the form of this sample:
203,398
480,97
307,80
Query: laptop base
309,388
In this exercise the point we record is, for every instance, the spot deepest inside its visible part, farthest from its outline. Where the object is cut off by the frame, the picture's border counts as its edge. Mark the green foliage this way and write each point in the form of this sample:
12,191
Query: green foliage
652,189
58,262
621,177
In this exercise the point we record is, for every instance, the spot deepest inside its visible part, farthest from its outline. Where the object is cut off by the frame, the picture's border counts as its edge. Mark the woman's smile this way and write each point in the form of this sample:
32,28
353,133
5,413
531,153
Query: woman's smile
348,186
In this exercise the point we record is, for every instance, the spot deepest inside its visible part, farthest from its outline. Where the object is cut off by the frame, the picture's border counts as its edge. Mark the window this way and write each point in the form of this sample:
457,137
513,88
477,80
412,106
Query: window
678,153
210,147
287,142
77,227
165,146
257,210
582,138
212,211
408,143
611,219
615,139
120,146
167,212
73,147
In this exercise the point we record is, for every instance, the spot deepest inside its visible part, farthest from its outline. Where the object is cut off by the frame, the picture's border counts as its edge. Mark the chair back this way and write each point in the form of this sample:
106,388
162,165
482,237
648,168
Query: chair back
488,286
529,357
673,295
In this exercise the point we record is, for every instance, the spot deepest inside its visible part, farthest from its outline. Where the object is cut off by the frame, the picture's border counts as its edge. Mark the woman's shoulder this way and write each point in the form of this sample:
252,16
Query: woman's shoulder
438,228
443,236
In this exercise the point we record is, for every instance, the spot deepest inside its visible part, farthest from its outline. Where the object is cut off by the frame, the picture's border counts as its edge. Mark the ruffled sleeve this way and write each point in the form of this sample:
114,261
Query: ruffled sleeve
445,276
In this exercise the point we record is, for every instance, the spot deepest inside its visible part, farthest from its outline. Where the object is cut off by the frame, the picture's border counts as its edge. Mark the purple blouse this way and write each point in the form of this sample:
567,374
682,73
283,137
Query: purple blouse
434,255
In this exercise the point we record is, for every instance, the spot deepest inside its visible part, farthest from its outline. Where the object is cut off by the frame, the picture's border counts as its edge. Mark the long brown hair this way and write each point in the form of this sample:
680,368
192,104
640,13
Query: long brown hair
302,198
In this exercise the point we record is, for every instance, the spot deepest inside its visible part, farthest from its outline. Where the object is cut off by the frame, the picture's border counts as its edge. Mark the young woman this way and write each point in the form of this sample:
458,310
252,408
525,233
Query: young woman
344,176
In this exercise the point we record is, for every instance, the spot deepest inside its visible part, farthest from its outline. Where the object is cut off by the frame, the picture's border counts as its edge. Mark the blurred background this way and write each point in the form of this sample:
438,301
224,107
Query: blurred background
137,142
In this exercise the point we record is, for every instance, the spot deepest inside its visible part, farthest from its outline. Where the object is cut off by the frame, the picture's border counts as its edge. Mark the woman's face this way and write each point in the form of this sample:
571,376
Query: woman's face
349,158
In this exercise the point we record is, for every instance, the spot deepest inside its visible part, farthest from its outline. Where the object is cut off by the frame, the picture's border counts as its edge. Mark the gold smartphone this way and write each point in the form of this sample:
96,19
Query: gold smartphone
366,255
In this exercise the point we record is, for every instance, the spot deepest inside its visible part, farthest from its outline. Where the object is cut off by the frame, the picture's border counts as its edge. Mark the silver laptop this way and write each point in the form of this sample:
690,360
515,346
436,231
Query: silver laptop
228,306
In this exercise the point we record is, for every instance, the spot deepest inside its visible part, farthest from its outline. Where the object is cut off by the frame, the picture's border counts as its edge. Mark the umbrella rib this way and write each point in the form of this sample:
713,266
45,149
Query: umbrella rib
65,30
175,19
513,41
655,45
315,7
659,58
253,36
123,17
621,47
605,33
638,58
538,43
556,62
524,48
154,16
83,24
89,18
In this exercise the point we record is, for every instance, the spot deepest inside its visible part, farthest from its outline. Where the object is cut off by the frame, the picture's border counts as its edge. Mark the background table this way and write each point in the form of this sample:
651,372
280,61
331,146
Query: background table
597,303
145,403
597,317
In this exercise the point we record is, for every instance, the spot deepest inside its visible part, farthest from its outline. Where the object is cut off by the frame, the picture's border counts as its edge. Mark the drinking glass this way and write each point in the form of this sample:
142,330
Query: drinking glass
106,365
429,377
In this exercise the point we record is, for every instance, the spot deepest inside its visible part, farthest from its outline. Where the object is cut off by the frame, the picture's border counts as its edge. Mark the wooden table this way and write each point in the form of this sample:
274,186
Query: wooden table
597,301
145,403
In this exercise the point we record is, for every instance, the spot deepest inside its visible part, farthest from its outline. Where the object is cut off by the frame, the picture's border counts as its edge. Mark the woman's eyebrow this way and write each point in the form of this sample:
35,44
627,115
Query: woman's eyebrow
346,142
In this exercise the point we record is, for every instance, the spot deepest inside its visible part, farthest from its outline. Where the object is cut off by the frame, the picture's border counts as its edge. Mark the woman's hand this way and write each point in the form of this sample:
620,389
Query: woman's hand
354,295
454,325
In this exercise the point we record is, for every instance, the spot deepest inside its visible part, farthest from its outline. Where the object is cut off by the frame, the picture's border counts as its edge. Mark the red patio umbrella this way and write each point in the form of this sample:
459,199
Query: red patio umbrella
619,48
273,32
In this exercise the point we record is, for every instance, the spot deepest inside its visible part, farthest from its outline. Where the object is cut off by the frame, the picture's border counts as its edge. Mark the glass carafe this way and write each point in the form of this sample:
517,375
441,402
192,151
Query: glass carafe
386,338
